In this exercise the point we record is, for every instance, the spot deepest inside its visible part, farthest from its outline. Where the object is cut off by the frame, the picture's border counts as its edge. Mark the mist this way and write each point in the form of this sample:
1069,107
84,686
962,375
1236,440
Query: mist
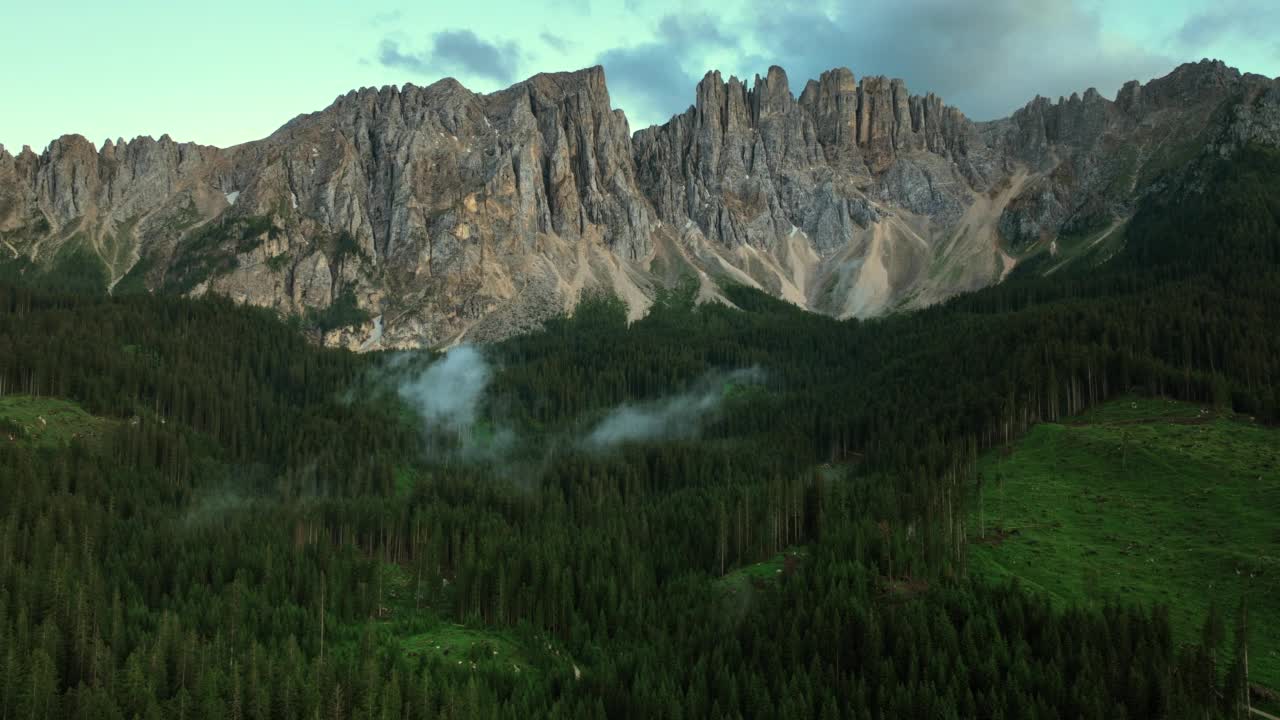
671,418
449,392
448,396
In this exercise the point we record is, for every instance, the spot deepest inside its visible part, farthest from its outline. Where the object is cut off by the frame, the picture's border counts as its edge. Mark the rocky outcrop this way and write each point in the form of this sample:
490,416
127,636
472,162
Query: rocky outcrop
406,216
823,199
1095,158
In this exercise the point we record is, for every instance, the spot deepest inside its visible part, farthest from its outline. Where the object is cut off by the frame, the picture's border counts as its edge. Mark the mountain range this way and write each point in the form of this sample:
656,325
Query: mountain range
425,216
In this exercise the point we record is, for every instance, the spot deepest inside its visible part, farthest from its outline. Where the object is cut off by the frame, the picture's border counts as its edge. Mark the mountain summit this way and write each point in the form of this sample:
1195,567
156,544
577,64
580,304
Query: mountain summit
422,216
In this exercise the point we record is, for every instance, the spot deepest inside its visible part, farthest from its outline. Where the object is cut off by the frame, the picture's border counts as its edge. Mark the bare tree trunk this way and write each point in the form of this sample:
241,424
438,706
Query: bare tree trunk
322,593
1244,638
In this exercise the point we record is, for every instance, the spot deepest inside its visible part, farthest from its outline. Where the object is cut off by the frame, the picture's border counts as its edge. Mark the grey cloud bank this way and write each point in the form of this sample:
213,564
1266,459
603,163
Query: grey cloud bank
455,51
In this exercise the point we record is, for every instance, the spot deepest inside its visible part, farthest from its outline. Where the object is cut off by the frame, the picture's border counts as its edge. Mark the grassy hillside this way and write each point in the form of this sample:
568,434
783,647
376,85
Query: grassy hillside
1144,500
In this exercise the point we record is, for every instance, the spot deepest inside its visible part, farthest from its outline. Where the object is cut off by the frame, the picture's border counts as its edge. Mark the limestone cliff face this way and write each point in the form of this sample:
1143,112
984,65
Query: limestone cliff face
1092,158
458,212
442,214
102,199
831,200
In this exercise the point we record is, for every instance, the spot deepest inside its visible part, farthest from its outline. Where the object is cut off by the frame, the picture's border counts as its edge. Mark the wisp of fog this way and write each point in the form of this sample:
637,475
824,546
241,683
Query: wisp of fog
448,396
677,416
448,393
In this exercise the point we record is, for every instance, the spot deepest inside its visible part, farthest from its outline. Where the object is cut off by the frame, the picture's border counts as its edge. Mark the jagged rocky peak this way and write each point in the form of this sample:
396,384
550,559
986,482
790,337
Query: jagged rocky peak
75,179
588,84
1184,98
446,101
770,155
832,100
872,119
771,94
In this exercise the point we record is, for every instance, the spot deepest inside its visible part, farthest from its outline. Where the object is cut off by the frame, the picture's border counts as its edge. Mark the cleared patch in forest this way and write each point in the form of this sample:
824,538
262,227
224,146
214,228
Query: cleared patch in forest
1142,500
415,613
46,422
766,571
468,647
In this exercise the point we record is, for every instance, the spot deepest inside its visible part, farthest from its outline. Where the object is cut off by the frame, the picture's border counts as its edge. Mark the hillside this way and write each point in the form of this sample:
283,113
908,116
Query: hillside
1146,500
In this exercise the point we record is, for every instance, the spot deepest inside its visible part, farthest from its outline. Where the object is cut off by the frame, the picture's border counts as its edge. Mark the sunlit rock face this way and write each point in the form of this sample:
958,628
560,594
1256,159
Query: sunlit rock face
435,214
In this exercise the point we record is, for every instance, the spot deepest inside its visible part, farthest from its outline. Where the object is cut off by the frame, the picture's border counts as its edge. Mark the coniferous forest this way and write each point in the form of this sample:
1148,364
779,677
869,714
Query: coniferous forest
256,527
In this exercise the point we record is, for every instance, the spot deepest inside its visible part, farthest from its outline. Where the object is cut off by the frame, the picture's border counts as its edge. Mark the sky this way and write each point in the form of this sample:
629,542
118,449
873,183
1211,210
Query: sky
235,70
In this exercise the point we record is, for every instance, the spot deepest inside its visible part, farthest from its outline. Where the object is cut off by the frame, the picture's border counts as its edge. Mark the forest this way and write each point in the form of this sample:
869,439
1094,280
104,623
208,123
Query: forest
205,515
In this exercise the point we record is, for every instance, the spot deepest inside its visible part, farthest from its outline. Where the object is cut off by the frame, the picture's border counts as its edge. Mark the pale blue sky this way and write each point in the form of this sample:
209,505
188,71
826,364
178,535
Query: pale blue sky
230,71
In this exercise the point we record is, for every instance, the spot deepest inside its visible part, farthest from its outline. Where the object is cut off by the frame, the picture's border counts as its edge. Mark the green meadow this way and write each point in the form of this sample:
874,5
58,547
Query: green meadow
1144,500
46,422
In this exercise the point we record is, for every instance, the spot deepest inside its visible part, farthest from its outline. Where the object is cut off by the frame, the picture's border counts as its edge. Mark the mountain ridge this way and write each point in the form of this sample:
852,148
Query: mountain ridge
442,214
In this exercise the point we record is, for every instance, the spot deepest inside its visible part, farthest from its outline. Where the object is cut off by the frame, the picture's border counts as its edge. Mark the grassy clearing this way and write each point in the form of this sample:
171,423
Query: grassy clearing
468,647
1144,500
416,616
747,576
46,422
